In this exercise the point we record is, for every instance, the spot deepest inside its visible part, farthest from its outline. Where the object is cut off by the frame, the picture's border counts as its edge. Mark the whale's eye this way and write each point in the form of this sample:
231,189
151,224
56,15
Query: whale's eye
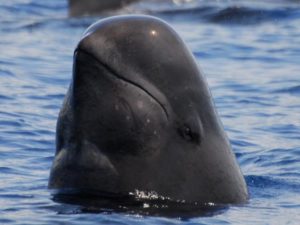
187,133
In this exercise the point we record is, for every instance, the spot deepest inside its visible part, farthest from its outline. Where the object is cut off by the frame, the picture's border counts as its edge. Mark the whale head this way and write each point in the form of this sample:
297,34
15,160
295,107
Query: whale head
138,115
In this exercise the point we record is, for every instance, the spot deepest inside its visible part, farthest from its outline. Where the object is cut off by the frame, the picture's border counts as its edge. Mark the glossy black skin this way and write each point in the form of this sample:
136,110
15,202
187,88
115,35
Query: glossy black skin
139,116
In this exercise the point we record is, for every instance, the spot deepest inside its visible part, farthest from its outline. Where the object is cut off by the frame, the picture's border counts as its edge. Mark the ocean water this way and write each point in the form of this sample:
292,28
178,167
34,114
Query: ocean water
249,52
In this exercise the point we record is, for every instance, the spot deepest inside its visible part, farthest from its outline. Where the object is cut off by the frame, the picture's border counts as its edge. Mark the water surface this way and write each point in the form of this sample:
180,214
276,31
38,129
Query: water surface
250,54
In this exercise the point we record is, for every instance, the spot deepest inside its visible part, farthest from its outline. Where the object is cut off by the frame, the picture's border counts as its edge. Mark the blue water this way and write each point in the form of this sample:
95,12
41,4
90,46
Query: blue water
250,54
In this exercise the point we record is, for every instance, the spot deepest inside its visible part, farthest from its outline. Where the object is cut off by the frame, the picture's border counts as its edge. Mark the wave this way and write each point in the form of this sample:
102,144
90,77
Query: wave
221,12
295,90
275,184
244,15
33,15
233,14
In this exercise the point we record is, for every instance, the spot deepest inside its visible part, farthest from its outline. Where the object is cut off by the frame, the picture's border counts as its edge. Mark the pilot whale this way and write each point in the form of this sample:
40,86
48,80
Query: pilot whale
138,115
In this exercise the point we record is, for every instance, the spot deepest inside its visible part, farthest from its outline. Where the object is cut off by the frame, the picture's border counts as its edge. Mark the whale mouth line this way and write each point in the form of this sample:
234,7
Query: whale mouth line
108,68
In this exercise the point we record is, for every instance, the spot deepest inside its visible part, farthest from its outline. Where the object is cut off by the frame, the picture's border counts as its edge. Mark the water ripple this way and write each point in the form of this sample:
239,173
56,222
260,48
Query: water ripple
249,52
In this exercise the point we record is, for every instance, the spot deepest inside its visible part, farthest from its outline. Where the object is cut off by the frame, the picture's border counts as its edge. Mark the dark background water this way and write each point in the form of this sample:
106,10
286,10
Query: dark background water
250,54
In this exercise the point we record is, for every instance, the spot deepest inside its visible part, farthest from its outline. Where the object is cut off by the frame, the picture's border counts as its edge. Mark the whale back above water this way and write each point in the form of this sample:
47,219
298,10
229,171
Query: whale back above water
138,115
